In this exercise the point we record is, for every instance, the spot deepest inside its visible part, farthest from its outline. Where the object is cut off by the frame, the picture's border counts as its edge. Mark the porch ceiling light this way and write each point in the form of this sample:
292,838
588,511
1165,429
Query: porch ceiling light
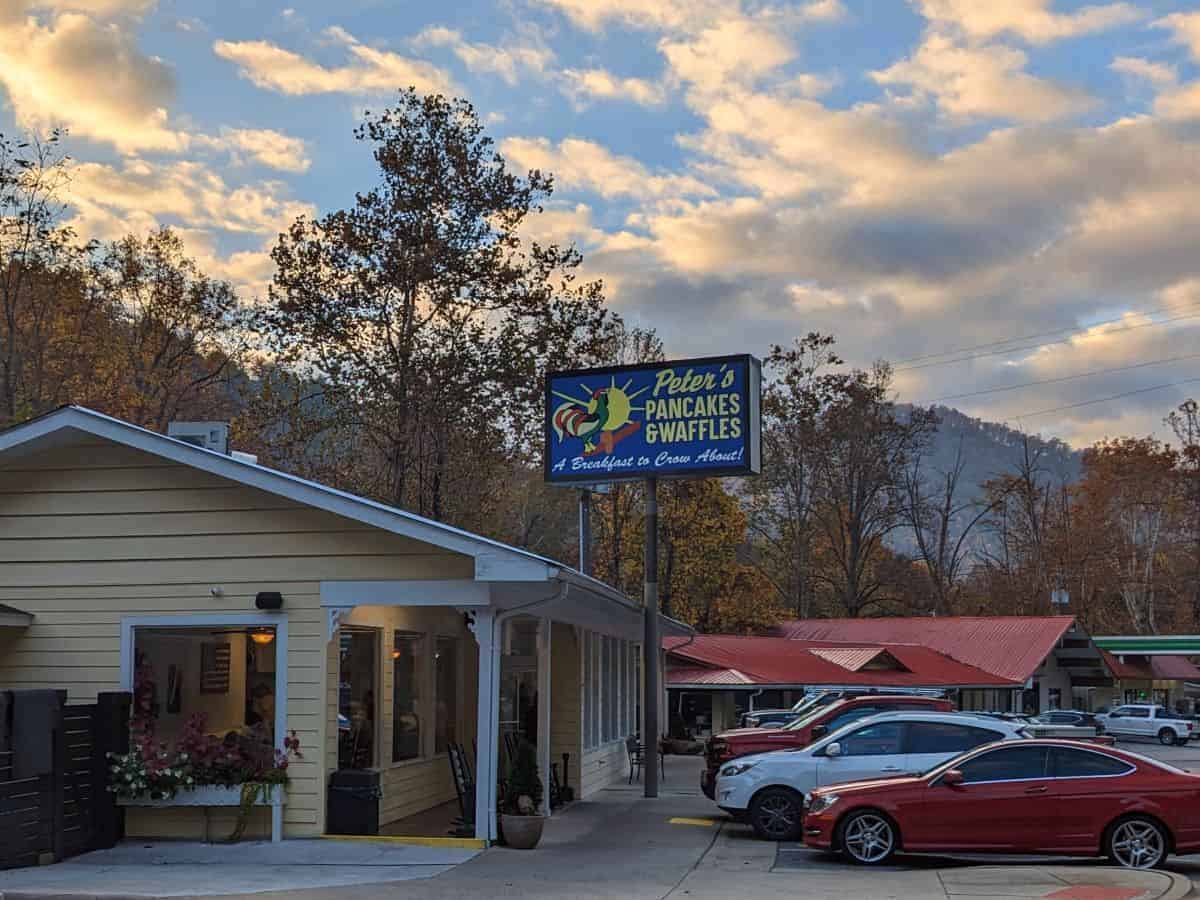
262,637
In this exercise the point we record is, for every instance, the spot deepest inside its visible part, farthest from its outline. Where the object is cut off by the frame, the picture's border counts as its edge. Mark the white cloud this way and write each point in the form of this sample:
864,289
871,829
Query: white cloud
737,49
583,85
1180,103
661,14
263,145
369,70
506,61
1137,67
91,77
1031,20
15,9
981,82
589,166
1186,27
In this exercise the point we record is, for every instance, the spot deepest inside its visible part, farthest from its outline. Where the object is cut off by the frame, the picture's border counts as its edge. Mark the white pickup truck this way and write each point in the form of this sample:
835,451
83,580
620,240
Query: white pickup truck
1145,720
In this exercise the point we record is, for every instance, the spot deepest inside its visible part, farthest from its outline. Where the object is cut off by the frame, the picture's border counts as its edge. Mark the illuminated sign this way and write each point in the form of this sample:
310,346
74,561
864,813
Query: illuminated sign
689,418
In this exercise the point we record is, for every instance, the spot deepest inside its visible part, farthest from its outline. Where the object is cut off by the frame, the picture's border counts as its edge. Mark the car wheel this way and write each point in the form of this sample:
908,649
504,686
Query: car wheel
1166,737
867,837
1137,843
777,814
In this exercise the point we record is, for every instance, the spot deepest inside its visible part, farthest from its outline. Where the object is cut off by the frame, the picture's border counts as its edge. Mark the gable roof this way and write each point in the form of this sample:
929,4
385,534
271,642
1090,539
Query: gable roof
1010,647
1149,668
494,560
723,659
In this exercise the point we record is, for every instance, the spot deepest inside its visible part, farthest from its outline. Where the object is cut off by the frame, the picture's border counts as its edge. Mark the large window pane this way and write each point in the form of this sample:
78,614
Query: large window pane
446,672
1009,764
588,678
357,677
407,660
884,739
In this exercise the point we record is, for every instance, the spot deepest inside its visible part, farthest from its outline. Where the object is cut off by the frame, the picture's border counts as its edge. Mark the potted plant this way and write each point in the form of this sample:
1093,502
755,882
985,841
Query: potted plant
520,820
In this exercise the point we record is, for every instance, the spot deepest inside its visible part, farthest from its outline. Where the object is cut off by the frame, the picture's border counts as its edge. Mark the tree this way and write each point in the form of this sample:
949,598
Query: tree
781,499
942,525
866,447
1185,422
33,246
1130,488
427,317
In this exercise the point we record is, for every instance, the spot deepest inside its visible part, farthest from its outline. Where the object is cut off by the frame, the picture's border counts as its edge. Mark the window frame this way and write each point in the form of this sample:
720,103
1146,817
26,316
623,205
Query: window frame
378,633
841,742
424,738
1052,764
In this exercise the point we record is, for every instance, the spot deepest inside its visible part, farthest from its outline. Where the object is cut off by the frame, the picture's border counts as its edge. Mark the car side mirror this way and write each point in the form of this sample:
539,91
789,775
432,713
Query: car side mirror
952,778
834,750
819,731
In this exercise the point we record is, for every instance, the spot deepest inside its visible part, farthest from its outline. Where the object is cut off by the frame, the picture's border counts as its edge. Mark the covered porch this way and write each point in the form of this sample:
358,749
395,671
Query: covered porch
416,668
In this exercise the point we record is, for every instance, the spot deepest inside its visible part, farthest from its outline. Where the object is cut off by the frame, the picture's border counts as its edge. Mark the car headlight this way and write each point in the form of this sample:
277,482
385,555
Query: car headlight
737,769
821,802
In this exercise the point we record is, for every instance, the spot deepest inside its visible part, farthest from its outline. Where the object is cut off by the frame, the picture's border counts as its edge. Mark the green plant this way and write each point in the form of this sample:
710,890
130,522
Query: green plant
524,794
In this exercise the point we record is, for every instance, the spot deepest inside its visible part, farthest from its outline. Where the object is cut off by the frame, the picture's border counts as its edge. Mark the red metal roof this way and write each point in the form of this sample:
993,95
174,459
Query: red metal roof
734,659
1009,647
1151,667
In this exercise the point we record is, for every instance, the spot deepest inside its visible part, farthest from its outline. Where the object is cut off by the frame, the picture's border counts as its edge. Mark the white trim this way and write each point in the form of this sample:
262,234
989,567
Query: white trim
278,621
15,620
446,592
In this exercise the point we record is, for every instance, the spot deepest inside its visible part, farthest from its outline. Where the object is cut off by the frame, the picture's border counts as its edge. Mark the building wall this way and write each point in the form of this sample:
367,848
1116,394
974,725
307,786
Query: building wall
565,702
1051,675
96,532
413,785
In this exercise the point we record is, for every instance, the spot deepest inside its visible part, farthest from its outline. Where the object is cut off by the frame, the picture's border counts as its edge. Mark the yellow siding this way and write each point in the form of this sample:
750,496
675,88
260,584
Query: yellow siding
565,700
603,766
411,786
95,532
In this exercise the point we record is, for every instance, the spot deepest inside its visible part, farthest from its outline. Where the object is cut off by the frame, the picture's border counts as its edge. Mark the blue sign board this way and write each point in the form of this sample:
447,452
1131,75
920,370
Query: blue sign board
688,418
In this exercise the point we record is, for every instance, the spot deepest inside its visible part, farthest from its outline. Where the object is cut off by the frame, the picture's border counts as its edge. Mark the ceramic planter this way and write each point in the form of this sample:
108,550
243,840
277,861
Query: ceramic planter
522,832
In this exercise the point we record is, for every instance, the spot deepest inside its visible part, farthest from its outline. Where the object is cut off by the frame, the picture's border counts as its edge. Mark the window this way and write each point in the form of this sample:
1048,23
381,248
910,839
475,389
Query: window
943,737
874,740
1137,712
407,658
445,719
358,674
850,715
1067,763
1161,713
610,674
1008,764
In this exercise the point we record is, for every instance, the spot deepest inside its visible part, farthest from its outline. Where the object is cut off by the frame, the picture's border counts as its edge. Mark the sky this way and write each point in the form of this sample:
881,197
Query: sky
1001,197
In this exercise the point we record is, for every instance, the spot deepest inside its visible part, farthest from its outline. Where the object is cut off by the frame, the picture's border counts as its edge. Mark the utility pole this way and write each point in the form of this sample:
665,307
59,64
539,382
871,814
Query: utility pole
651,644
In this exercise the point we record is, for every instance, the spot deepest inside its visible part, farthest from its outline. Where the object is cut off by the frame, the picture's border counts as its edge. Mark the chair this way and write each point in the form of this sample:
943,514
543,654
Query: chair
637,755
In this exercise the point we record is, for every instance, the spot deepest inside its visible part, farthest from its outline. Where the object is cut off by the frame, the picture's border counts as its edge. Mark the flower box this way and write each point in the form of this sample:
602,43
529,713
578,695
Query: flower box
209,795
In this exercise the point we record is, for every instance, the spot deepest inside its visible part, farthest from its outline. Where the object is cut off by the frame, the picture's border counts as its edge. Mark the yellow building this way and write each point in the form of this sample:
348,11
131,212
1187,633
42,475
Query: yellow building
129,557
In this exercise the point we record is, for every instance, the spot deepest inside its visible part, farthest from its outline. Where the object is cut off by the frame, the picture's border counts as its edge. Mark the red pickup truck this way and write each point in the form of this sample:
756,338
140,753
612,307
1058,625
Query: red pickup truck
821,721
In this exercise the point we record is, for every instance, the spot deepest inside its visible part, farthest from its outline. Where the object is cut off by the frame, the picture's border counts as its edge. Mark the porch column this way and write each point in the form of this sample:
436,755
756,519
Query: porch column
543,709
485,732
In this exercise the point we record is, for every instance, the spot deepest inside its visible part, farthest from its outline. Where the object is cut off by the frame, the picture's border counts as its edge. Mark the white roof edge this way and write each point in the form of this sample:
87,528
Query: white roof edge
310,493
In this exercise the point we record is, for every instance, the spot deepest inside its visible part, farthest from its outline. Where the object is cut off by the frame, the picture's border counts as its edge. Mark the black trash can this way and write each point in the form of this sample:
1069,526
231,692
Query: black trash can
353,806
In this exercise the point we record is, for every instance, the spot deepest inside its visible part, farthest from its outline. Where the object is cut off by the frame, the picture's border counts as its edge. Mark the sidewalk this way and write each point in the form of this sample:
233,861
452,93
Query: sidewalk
617,846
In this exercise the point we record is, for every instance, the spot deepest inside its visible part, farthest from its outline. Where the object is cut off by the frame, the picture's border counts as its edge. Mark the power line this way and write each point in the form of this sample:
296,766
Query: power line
1157,387
946,362
1029,337
1015,387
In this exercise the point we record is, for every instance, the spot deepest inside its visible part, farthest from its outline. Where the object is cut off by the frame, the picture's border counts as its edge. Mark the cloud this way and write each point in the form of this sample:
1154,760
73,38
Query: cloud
583,85
981,82
505,61
1031,20
583,164
1180,103
17,9
1186,27
1137,67
90,76
369,71
659,14
733,50
263,145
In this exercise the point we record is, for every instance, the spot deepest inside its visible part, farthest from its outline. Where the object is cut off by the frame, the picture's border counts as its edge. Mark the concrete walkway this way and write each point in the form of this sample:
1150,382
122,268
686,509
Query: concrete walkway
618,846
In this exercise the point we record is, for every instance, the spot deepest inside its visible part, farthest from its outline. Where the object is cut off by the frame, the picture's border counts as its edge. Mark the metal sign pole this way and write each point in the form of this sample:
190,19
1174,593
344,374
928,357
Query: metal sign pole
651,644
585,531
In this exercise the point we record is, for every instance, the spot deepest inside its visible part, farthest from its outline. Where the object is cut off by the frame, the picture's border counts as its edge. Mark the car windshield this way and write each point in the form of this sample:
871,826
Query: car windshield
807,703
807,717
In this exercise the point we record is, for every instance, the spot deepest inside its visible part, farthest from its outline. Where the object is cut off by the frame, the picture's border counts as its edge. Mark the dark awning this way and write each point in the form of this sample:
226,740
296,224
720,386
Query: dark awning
11,617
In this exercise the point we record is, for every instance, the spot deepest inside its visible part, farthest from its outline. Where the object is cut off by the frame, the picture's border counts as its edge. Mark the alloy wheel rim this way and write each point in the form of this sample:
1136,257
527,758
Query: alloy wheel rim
777,815
869,838
1137,845
1166,738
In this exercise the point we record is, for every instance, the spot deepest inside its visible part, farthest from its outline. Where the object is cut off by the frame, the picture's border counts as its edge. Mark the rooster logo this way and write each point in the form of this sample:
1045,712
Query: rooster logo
601,421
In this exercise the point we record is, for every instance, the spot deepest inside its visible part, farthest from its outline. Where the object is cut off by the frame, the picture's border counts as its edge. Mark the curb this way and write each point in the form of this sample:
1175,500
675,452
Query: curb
1181,886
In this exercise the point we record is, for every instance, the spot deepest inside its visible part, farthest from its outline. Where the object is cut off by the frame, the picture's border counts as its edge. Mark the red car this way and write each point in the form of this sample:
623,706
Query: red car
1034,796
820,721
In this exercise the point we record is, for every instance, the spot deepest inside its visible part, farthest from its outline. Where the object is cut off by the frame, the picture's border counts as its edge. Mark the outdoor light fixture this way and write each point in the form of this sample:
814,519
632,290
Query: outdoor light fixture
262,637
268,600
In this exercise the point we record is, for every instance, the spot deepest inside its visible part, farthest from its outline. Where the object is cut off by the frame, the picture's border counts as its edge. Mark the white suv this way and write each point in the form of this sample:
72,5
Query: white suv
768,789
1144,720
